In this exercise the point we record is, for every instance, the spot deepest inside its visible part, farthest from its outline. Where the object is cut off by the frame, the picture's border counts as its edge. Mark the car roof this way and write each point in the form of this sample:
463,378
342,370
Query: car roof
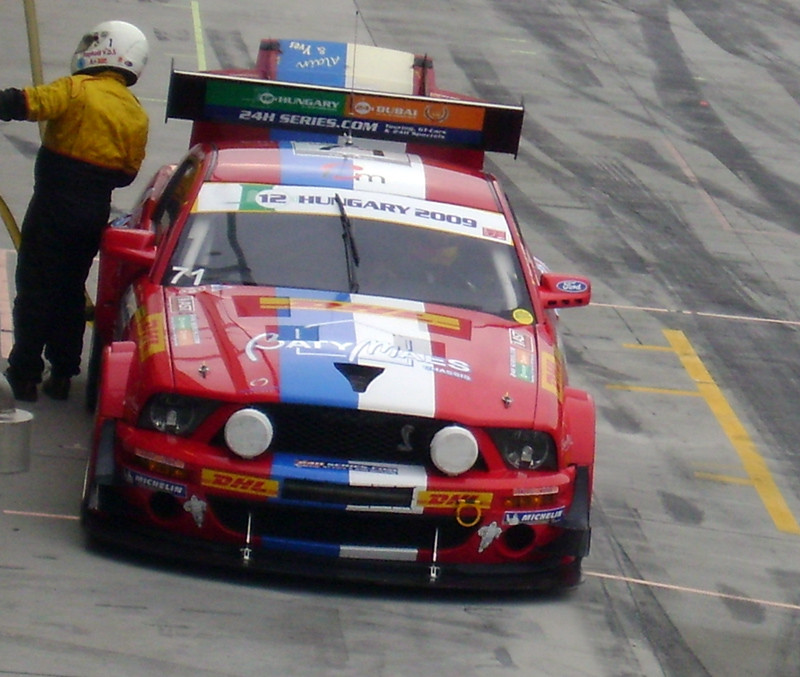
353,167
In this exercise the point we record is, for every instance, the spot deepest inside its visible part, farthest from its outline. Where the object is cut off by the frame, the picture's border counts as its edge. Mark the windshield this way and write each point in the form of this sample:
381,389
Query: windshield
305,251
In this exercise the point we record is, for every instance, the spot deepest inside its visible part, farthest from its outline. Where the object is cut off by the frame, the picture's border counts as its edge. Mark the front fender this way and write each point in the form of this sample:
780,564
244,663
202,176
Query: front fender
114,377
580,426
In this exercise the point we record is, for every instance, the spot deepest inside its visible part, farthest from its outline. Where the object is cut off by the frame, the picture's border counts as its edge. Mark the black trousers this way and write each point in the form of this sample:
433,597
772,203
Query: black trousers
60,238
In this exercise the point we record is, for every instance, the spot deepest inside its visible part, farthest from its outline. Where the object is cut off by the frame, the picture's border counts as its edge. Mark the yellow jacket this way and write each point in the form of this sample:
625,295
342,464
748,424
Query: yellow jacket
92,118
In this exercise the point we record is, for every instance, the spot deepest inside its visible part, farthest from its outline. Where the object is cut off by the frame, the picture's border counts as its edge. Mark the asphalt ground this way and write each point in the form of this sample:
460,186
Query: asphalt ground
658,158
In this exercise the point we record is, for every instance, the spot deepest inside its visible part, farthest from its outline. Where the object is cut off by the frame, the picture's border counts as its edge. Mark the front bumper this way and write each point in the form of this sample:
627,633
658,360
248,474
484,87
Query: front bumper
554,573
388,534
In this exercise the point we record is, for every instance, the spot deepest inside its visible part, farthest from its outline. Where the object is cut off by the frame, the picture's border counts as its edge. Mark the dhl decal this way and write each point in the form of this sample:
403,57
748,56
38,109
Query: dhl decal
454,499
254,306
150,329
242,484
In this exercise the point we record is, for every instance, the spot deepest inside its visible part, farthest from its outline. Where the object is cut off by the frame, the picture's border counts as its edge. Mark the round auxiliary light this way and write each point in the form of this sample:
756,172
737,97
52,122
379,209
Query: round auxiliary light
248,433
454,450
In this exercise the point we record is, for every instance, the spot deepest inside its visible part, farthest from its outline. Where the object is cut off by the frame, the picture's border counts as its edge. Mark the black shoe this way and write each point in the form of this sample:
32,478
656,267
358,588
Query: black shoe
24,390
56,387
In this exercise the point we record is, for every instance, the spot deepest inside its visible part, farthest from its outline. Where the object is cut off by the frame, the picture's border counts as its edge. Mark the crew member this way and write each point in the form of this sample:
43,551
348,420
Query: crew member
94,141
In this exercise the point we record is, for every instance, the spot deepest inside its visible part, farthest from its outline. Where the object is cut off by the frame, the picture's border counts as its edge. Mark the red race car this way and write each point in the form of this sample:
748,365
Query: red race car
321,345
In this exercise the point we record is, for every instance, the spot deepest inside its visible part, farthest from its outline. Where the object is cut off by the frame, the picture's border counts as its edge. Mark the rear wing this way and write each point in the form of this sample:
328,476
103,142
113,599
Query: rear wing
267,104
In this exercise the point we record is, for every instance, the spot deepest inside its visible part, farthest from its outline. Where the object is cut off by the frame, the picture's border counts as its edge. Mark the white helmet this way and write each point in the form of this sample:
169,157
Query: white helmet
115,45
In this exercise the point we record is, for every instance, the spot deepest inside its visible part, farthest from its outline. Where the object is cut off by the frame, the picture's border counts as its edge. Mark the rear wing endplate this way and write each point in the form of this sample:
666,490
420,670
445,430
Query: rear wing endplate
216,98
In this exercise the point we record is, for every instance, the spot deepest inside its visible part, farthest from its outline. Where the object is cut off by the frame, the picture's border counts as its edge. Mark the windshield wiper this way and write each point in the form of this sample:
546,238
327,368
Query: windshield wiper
350,251
245,272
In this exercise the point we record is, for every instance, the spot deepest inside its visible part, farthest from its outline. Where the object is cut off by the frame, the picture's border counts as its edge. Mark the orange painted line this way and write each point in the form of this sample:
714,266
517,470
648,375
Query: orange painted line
693,591
702,192
6,323
25,513
697,313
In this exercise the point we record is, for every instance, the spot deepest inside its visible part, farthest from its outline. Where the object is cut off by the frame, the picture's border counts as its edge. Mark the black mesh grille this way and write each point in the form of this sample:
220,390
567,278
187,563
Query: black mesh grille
350,434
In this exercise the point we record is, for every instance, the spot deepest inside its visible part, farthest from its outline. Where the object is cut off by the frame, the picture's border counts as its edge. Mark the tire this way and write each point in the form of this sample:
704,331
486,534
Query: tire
93,373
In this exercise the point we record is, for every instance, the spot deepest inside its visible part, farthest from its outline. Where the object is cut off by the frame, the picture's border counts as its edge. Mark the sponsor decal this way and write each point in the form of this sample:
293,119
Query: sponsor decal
520,339
439,113
533,516
453,499
184,330
400,110
242,484
350,172
535,491
196,507
370,351
252,99
150,330
522,365
488,533
369,204
347,466
521,356
184,321
142,481
183,304
256,306
495,234
522,316
549,372
396,111
315,62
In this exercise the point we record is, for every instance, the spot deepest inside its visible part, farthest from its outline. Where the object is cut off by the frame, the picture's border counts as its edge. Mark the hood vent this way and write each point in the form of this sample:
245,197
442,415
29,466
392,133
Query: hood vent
358,375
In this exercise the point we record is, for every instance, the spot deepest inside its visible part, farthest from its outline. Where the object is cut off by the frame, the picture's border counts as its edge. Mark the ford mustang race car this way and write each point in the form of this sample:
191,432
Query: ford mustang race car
322,346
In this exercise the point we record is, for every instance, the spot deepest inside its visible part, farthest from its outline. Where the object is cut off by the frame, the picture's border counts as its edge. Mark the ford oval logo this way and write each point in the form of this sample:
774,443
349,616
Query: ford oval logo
572,286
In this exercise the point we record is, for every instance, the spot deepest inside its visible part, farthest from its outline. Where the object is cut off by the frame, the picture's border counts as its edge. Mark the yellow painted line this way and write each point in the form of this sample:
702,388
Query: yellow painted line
649,389
198,36
639,346
754,464
726,479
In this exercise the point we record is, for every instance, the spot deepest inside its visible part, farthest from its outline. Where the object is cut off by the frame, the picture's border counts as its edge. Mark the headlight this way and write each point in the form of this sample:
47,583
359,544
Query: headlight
526,449
175,414
248,433
454,450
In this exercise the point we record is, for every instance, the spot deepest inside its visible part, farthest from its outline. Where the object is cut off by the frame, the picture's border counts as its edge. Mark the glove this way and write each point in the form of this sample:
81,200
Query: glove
13,105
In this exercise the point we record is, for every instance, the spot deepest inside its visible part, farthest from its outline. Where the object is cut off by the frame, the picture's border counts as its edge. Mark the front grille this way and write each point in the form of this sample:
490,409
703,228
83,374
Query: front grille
350,434
339,527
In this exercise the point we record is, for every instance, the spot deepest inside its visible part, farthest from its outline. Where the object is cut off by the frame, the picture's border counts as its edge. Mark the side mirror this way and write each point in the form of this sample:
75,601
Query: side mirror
564,291
130,245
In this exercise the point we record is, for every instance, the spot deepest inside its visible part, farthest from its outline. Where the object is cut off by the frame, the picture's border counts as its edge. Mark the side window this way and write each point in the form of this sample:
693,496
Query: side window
174,196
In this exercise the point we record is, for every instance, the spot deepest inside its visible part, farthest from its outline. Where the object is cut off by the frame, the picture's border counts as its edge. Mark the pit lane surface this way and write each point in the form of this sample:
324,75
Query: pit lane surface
659,159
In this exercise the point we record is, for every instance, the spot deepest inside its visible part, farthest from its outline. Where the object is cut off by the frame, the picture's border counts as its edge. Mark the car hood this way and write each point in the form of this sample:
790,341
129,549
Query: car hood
353,351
